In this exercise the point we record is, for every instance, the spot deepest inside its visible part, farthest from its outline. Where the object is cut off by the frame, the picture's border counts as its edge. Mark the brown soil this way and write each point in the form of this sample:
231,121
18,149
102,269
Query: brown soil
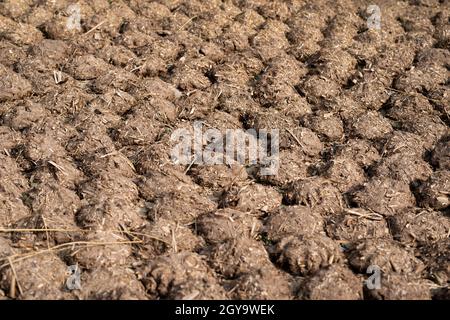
86,177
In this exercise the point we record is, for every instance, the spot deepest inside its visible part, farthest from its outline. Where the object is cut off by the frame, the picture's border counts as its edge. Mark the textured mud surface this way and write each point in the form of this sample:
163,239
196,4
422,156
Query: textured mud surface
86,178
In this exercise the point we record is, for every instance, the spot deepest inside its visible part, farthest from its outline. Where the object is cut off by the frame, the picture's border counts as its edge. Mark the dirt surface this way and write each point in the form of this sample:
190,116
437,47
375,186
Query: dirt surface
86,179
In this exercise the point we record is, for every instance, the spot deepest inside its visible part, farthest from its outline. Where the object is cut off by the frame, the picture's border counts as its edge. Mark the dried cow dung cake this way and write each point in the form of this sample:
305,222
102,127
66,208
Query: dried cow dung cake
197,150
